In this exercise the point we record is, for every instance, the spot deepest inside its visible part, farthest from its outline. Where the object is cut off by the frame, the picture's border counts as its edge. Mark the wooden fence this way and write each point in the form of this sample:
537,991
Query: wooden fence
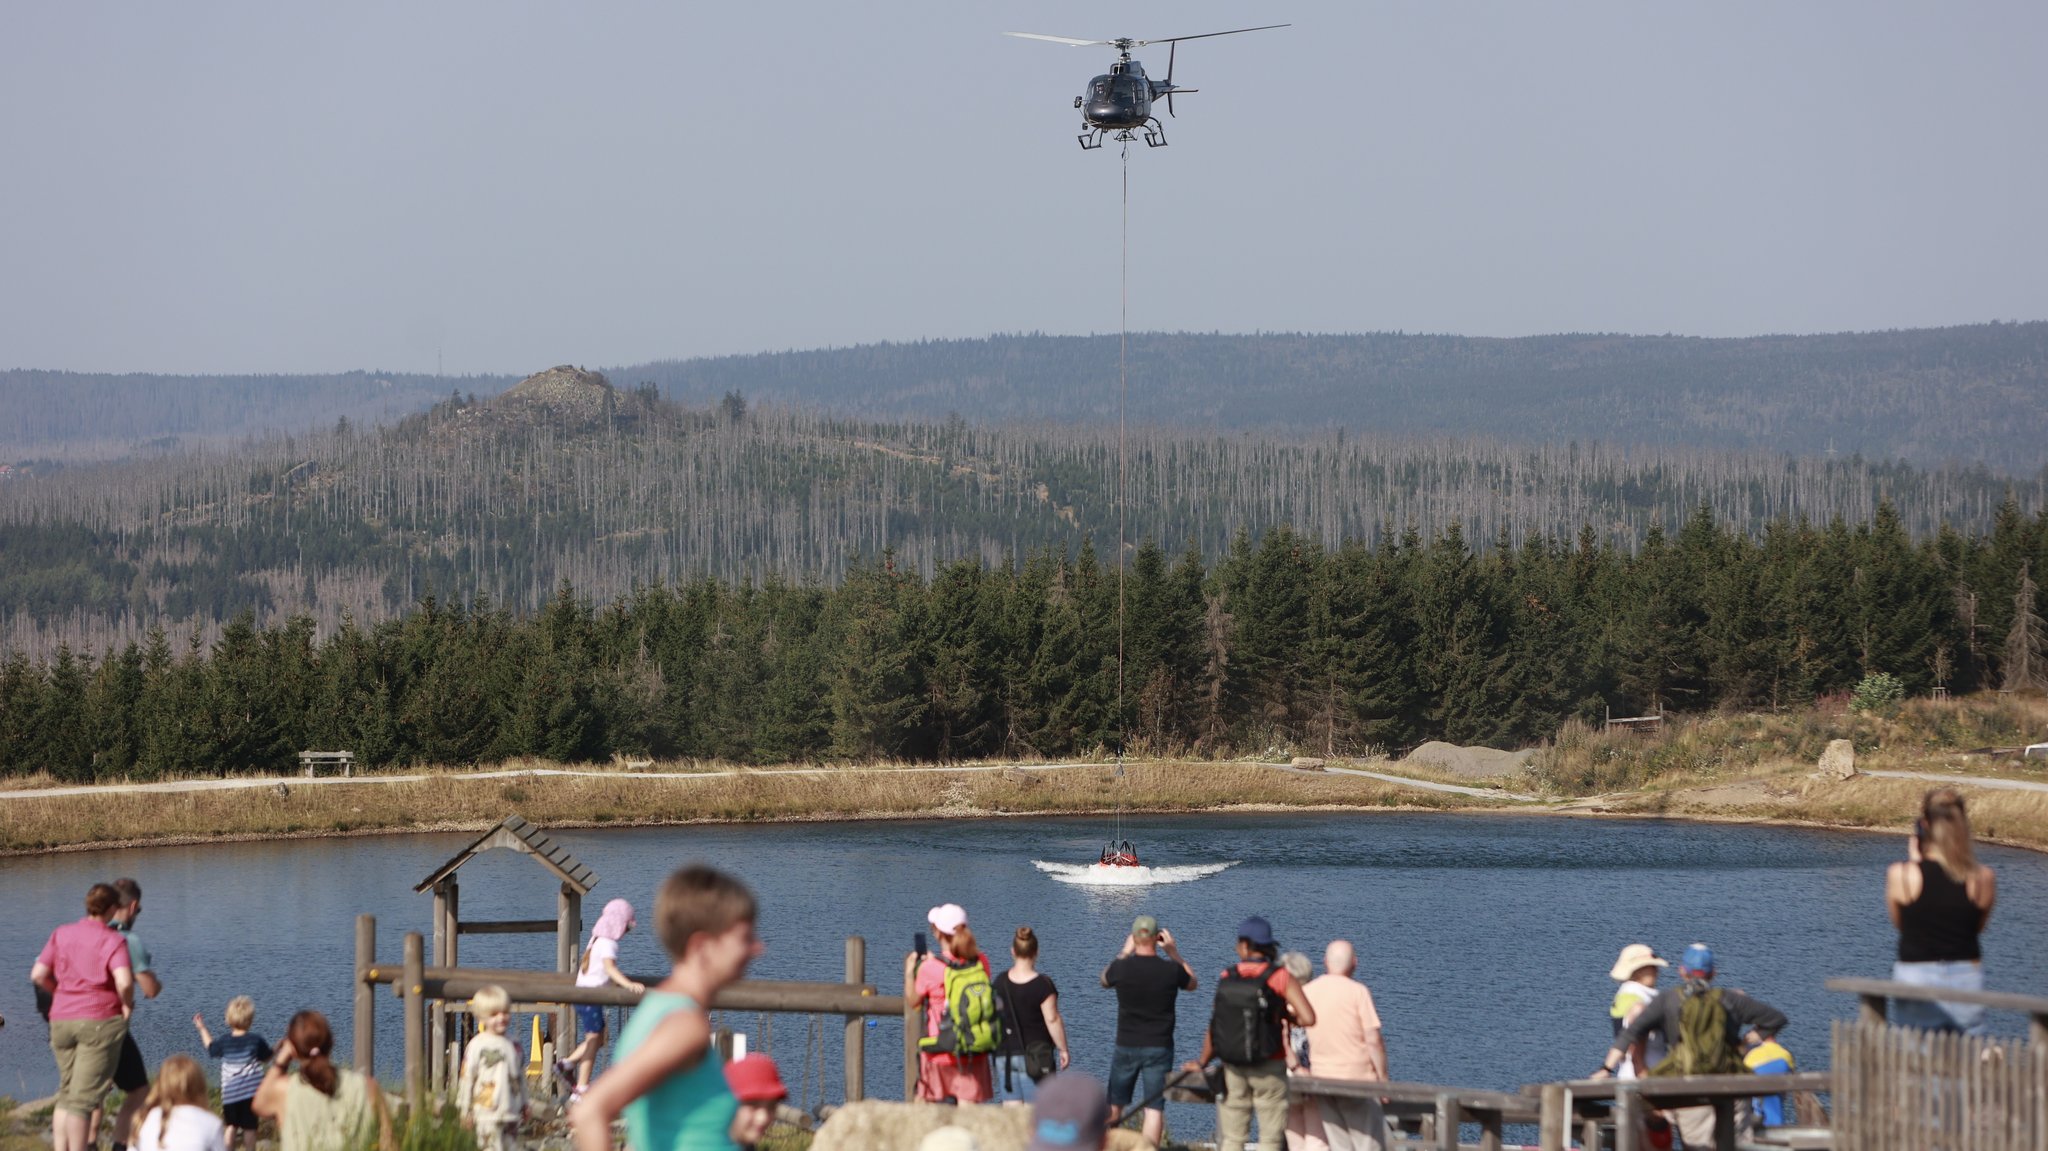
1898,1087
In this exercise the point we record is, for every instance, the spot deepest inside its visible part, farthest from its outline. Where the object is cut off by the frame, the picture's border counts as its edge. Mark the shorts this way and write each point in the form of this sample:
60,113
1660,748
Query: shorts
955,1078
1142,1069
590,1018
1010,1080
86,1051
241,1114
131,1074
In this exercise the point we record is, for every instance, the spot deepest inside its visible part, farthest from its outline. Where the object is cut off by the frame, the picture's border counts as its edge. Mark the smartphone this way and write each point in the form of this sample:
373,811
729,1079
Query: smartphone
918,945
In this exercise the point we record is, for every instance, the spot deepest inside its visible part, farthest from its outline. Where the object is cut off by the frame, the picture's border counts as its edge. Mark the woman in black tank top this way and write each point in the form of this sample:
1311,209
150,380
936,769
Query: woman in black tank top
1940,898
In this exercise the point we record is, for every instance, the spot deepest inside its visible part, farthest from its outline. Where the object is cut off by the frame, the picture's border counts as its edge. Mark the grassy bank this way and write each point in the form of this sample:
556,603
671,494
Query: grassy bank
448,800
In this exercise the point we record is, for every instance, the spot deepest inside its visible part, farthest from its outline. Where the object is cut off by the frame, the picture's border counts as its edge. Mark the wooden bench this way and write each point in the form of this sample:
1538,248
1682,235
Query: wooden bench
310,762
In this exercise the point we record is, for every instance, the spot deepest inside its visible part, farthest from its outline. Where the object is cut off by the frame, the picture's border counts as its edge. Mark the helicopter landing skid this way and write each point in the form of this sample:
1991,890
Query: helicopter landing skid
1155,136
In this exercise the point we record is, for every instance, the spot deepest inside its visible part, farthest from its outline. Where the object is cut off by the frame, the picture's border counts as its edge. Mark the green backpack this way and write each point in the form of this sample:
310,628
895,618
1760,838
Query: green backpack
1701,1046
970,1025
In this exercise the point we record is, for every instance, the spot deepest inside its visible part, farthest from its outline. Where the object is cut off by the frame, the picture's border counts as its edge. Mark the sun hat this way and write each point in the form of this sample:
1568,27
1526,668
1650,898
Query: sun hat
947,917
1071,1113
1634,958
1256,931
753,1079
614,921
948,1138
1144,925
1698,957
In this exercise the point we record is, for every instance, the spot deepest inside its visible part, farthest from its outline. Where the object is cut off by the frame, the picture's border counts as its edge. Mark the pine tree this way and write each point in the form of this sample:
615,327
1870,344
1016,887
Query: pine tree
63,735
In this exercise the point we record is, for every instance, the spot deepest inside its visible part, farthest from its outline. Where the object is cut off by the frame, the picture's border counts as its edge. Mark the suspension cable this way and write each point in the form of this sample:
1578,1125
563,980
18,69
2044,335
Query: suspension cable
1122,490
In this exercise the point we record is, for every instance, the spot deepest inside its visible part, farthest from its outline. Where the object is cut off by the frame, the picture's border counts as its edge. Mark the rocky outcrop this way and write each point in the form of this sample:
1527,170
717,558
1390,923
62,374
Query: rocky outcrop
580,396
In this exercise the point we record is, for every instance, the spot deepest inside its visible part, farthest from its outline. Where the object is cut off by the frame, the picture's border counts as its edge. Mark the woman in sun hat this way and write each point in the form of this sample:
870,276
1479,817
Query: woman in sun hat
1636,970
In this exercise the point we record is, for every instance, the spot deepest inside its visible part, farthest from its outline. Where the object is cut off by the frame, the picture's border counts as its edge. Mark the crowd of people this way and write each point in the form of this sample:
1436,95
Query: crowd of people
986,1037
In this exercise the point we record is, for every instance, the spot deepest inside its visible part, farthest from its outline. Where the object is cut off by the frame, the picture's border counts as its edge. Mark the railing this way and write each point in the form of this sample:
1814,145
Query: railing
416,985
1907,1088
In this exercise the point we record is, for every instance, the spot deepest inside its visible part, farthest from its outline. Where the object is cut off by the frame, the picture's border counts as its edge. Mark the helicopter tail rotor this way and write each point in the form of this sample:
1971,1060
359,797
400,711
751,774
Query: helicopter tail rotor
1172,50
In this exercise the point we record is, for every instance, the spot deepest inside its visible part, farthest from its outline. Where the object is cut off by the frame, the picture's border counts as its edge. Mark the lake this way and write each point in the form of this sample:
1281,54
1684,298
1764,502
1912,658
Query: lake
1486,938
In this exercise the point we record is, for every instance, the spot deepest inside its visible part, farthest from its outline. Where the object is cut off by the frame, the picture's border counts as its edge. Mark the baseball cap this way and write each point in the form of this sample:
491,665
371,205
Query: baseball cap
1144,925
1071,1113
1634,958
947,917
1698,957
753,1079
1257,931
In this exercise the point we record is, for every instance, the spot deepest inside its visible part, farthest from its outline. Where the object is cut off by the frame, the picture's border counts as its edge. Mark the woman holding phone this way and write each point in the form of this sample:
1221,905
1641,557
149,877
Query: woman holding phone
1940,898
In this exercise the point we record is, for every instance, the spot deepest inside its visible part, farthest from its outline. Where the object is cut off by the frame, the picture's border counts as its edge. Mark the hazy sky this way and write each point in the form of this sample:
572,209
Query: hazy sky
210,186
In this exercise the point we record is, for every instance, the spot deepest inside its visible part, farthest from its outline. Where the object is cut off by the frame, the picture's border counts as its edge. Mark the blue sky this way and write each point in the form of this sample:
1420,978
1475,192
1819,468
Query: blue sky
211,186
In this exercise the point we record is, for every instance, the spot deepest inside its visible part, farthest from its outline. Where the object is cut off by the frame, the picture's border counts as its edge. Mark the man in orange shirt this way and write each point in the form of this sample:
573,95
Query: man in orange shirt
1345,1042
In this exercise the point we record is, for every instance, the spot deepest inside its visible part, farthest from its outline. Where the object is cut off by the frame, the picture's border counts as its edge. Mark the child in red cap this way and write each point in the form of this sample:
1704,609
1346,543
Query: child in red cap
759,1089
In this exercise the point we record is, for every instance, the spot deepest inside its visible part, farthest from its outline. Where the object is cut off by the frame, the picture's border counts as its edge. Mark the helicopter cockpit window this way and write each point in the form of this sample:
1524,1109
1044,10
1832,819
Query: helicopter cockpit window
1098,89
1128,88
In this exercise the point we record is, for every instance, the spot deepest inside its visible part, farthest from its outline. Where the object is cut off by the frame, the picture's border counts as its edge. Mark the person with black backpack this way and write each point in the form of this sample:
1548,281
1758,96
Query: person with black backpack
1702,1027
1253,997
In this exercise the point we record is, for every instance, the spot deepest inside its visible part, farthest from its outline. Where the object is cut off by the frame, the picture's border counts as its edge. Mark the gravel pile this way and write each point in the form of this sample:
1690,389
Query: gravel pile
1469,762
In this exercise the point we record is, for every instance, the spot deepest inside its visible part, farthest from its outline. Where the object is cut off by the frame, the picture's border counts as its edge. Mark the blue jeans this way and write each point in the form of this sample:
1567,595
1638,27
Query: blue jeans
1011,1082
1963,975
1142,1069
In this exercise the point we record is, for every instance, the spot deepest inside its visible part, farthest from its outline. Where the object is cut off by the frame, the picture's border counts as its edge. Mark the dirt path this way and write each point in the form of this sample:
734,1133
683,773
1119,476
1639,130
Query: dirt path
292,781
1965,780
1427,785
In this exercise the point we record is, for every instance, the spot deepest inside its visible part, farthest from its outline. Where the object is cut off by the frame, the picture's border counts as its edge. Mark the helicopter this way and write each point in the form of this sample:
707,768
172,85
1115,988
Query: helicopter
1120,102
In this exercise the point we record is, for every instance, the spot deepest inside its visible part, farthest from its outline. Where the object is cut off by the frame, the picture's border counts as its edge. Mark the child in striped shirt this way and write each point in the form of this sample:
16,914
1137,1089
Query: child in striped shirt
244,1056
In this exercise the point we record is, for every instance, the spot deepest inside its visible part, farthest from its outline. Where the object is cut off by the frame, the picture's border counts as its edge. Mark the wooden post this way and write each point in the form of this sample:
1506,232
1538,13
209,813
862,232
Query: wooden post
1628,1117
437,1011
568,933
1555,1122
1724,1124
855,1054
366,996
913,1029
414,987
1872,1009
1489,1131
1448,1116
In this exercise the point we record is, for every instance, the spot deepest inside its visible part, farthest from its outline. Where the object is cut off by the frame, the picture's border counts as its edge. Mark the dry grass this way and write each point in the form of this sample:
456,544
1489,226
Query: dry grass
1924,735
451,801
2017,818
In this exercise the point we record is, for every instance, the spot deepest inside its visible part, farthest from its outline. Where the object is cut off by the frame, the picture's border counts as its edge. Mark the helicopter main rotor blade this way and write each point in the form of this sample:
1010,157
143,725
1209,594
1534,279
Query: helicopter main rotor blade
1201,35
1068,40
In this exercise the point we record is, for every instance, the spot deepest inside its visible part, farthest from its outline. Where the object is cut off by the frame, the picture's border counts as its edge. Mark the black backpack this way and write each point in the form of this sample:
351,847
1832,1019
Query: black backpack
1244,1026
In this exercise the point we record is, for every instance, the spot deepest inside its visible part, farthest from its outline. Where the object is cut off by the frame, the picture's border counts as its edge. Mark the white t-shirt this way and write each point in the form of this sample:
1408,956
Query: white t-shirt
192,1129
592,973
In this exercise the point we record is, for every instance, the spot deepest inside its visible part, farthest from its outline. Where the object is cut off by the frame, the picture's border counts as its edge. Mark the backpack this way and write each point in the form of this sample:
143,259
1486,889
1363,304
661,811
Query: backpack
1244,1026
970,1024
1701,1046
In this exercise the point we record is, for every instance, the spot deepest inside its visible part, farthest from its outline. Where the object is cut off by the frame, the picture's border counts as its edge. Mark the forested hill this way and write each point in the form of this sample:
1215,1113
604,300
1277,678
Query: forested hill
1968,394
1971,395
567,478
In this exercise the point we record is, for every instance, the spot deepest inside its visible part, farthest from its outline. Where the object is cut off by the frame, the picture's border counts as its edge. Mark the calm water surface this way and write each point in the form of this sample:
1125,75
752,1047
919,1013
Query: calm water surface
1486,939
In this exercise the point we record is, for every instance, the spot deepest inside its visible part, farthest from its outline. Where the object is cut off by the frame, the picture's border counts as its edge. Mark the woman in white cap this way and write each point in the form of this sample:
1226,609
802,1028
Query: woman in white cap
1636,971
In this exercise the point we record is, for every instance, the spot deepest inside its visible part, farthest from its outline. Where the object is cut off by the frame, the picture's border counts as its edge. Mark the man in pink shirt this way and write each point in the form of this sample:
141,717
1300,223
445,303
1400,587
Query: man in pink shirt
1345,1042
85,968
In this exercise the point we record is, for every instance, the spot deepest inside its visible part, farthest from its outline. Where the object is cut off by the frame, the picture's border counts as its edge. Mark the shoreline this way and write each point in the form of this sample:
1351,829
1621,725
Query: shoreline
406,804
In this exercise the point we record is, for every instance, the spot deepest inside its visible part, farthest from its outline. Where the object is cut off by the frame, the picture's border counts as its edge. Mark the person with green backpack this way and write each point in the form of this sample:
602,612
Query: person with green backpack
962,1026
1702,1026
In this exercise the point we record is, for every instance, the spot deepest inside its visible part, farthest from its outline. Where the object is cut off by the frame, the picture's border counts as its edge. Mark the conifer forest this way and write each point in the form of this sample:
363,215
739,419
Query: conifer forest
575,571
